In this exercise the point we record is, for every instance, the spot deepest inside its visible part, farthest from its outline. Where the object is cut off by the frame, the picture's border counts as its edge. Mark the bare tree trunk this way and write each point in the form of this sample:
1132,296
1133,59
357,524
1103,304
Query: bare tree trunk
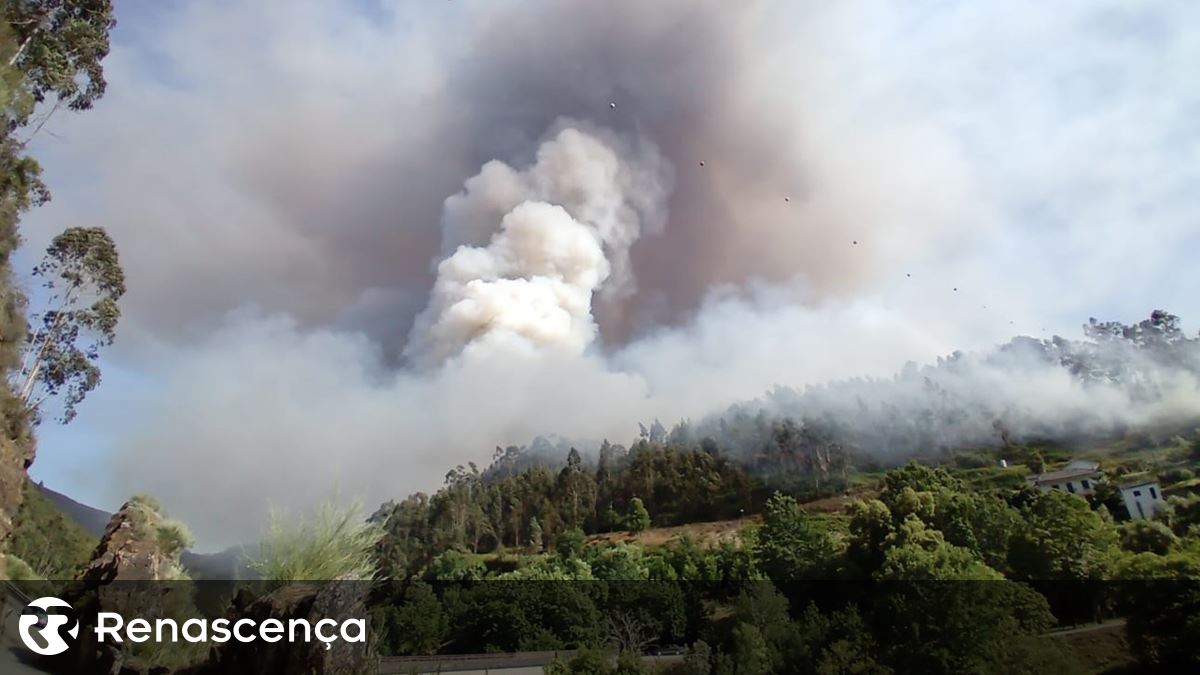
36,365
21,49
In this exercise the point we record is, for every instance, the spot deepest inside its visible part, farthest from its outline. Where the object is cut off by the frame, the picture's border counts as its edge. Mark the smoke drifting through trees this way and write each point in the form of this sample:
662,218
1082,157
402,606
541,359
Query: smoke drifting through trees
1121,378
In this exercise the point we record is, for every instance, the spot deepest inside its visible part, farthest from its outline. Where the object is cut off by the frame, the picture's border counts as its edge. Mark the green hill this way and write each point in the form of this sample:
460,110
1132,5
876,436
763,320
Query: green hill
52,543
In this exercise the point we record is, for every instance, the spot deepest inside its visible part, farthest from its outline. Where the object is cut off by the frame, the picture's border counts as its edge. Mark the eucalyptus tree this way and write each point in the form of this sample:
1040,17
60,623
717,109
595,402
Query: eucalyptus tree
82,272
59,47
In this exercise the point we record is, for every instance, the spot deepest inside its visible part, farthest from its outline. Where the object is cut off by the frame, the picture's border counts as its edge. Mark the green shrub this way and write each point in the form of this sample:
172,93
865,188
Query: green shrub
31,582
19,570
147,501
1171,476
173,537
336,543
570,543
638,519
585,661
1143,536
971,461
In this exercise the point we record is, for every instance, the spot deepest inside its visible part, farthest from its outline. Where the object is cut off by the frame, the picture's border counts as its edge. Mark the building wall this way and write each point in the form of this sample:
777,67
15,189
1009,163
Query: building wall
1083,487
1142,501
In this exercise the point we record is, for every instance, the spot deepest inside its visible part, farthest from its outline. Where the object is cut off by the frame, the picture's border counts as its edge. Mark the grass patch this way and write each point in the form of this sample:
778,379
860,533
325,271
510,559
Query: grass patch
334,544
1011,477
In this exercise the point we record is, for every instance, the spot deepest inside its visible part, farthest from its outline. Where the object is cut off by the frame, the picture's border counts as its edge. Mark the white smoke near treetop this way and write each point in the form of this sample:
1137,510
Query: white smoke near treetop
526,250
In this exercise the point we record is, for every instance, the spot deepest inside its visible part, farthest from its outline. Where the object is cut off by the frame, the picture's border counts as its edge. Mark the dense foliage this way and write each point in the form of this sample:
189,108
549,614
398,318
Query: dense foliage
506,506
931,575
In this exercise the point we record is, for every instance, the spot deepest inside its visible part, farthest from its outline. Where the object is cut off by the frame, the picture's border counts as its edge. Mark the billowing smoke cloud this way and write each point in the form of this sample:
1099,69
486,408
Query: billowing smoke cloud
316,179
784,193
527,250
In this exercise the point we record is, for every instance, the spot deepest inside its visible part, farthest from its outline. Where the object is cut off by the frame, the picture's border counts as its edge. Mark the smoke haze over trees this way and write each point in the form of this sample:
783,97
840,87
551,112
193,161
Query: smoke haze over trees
360,229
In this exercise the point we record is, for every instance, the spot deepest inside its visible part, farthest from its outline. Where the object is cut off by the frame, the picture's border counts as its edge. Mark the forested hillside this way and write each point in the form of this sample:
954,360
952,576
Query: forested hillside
936,573
48,539
950,565
807,444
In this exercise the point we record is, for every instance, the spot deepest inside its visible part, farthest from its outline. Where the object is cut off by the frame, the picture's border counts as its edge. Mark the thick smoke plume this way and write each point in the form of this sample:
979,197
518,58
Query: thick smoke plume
526,251
316,180
604,213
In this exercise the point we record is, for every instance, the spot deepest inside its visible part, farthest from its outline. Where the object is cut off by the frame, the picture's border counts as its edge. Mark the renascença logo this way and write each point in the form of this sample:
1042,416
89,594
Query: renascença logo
50,632
37,620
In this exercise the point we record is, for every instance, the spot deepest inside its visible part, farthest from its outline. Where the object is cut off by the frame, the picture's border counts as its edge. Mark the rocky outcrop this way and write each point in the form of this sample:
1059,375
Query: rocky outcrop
129,549
126,575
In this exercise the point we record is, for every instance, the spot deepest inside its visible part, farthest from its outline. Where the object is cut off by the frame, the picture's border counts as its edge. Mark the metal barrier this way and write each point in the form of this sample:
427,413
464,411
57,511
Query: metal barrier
17,593
458,662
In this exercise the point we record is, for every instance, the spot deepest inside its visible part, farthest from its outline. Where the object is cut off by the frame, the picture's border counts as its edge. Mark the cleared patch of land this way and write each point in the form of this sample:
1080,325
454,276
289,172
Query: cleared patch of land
703,534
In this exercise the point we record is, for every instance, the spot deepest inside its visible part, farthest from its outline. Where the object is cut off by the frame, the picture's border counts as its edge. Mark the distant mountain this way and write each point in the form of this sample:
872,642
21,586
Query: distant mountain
224,565
91,519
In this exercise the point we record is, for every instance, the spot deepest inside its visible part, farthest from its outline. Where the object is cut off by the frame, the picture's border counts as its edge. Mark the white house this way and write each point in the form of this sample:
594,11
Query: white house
1142,499
1079,477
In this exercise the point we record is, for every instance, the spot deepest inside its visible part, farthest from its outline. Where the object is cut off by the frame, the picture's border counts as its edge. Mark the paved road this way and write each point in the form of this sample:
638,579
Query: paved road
524,663
14,657
1113,623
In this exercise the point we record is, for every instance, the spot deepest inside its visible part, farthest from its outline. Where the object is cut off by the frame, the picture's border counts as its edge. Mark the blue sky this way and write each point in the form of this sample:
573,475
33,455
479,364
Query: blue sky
273,174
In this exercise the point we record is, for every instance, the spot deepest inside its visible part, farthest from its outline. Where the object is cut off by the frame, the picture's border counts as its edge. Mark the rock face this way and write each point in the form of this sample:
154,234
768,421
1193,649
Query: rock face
126,576
309,601
128,550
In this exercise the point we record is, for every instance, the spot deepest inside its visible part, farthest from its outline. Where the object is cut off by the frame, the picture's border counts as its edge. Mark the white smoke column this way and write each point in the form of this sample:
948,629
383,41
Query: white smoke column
526,250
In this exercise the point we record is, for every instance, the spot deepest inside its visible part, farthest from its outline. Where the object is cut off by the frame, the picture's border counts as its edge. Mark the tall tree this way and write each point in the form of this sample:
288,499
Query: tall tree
83,274
59,46
48,49
576,491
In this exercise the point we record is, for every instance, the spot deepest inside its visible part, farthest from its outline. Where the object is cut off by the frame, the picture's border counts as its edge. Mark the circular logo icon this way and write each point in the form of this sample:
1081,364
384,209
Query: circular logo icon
36,620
